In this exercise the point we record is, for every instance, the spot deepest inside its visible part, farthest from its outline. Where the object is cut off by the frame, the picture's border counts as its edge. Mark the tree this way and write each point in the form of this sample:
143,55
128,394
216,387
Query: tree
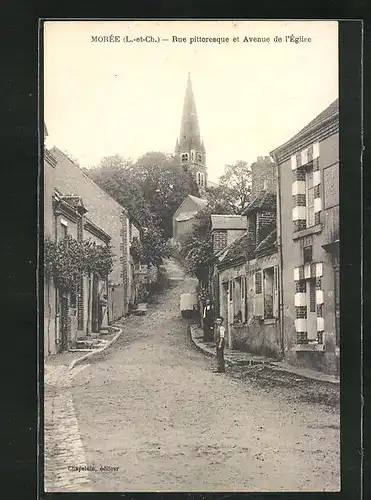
197,249
235,185
151,189
67,260
231,196
151,248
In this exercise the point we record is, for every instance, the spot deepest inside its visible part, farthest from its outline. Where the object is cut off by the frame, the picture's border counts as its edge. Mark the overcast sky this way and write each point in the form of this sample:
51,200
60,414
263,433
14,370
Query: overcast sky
126,98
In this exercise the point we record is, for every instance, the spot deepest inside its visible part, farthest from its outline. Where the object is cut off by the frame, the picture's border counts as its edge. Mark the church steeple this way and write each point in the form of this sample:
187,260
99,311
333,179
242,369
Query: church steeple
190,147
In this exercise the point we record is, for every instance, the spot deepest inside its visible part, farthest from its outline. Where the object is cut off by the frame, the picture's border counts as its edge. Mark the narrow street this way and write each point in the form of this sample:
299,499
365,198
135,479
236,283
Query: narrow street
152,409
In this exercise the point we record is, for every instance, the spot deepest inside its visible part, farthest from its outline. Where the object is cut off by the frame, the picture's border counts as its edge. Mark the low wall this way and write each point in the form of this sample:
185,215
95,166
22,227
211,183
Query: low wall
326,361
258,337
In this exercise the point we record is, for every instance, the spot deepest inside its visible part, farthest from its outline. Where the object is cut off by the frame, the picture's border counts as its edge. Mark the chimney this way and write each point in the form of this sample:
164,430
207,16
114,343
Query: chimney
262,176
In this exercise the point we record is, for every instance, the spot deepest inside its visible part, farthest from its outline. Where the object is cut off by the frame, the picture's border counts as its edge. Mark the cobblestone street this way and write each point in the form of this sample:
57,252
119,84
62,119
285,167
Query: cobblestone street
150,415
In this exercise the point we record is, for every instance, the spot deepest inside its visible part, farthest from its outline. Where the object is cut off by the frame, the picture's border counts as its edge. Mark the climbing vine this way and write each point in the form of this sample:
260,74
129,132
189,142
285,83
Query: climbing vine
68,259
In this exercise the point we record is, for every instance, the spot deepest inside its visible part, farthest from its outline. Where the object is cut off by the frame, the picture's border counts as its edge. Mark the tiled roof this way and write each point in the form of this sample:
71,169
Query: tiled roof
265,201
237,249
186,216
228,222
331,110
201,202
268,243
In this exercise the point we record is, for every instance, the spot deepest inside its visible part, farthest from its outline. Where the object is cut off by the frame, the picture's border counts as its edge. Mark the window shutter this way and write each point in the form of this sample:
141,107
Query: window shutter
275,292
258,294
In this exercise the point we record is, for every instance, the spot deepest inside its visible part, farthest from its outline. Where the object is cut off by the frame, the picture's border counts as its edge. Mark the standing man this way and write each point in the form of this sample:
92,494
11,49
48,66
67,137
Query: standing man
220,343
208,321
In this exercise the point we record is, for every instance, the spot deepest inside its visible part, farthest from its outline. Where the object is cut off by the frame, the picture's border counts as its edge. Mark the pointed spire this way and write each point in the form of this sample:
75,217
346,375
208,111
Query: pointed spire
189,129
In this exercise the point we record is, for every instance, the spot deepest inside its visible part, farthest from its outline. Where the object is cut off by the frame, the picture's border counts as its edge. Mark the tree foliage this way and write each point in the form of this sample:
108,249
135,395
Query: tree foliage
235,186
68,259
231,196
151,248
151,188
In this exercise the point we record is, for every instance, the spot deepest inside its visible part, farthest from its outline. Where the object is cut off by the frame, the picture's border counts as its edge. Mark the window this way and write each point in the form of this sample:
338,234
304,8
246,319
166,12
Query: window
258,282
231,287
199,158
184,157
307,254
64,229
243,288
200,179
309,188
268,292
312,295
258,296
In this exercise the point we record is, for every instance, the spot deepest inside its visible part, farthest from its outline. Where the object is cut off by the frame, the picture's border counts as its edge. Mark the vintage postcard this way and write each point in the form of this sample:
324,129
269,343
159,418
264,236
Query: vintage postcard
191,256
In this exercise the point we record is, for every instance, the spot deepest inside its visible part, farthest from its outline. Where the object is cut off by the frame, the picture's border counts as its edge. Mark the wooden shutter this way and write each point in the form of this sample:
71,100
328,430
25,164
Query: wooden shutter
275,292
258,294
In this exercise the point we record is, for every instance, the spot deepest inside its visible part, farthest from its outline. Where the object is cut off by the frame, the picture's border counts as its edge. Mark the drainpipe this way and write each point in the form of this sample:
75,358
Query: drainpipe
280,257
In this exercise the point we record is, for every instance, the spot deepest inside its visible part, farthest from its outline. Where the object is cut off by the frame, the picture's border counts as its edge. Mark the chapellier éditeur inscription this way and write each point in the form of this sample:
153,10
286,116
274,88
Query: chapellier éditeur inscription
92,468
200,39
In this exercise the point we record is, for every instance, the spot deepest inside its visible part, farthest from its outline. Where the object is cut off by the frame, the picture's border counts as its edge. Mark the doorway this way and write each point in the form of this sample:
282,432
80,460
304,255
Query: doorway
64,321
230,312
95,305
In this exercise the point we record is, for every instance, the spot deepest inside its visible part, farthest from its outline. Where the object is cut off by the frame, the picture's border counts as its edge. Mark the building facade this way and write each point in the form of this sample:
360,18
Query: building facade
75,206
245,277
184,217
308,235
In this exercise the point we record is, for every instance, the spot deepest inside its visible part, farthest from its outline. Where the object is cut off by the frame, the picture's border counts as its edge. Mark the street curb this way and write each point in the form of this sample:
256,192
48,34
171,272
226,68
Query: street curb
89,355
201,349
268,365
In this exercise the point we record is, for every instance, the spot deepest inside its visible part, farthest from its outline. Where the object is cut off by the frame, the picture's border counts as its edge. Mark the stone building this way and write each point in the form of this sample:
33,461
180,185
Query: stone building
245,277
74,205
184,217
308,233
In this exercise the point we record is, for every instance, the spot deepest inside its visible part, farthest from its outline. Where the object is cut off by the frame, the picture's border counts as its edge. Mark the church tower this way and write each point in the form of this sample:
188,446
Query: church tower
189,147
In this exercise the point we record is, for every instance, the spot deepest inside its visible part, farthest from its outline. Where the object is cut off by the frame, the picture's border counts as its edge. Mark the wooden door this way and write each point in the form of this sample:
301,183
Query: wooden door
95,312
230,312
64,321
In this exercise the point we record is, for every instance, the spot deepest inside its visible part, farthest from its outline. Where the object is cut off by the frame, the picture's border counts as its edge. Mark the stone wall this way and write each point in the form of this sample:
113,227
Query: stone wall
219,240
103,210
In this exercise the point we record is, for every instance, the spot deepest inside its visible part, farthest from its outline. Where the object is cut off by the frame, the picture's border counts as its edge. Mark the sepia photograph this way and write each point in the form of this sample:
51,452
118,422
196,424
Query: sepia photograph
191,263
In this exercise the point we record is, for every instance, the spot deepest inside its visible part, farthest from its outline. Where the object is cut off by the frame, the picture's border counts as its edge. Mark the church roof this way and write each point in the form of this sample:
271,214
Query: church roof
228,222
189,129
201,202
184,216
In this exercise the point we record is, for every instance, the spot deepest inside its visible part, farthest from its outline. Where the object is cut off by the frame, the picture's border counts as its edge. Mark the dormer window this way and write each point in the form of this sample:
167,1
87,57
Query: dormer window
199,158
184,157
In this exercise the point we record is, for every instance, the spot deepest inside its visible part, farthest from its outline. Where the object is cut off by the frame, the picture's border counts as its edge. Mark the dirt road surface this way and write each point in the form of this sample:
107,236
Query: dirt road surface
152,408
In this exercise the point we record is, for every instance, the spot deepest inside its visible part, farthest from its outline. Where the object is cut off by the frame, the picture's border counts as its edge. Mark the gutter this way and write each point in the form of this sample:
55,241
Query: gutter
279,249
